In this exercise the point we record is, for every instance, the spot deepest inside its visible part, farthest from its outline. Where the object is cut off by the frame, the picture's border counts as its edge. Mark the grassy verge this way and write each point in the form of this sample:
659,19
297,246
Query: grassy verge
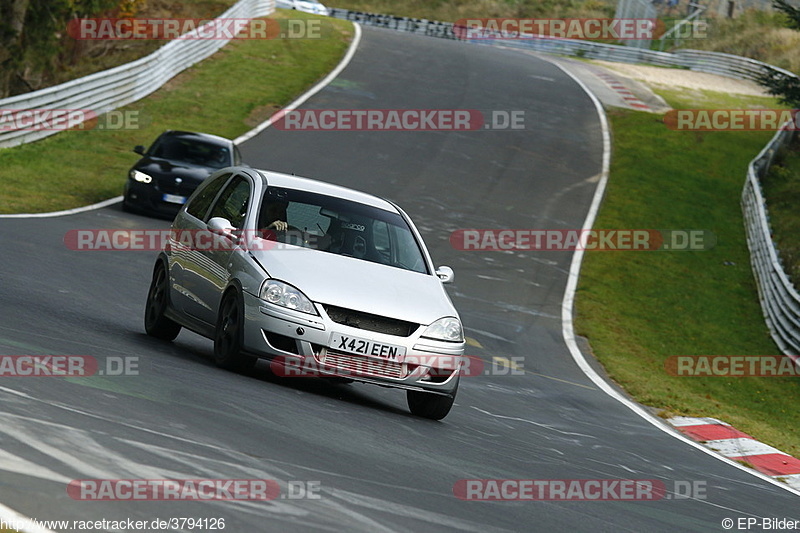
227,94
782,193
639,308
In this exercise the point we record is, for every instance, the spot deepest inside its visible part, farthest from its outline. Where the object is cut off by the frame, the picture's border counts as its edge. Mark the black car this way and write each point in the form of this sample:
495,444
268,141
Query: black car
172,168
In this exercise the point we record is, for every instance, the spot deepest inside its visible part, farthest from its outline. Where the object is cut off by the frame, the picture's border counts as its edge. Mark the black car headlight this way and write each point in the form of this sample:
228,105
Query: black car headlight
141,177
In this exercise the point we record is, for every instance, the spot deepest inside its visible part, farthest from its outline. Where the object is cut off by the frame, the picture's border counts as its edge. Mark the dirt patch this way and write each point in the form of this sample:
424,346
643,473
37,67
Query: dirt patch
689,79
260,114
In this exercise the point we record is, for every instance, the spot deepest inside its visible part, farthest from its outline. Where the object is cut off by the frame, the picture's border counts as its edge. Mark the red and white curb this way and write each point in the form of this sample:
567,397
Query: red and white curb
737,446
623,91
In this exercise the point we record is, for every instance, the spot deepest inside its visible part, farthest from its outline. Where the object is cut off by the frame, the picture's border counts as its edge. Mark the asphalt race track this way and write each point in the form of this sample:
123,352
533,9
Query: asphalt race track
376,467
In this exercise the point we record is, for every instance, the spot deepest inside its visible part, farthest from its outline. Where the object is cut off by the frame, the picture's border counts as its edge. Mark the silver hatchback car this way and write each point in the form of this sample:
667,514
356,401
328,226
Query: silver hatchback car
319,279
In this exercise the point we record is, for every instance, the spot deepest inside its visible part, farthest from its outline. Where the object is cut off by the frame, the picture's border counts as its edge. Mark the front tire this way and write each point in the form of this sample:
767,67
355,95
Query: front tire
156,323
229,334
429,405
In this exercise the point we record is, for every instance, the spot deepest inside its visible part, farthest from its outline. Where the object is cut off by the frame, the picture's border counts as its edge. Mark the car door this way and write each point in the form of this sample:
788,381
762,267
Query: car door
208,273
188,224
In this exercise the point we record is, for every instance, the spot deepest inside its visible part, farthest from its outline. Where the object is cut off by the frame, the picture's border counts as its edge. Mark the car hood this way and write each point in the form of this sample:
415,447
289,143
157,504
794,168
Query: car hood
359,285
159,168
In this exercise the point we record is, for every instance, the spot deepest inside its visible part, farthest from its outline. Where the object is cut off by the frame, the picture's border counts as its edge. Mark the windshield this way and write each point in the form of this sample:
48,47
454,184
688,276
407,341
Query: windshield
191,151
341,227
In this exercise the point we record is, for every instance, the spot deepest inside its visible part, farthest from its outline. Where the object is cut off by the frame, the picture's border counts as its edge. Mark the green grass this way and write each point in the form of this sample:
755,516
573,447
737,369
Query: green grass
227,95
639,308
684,98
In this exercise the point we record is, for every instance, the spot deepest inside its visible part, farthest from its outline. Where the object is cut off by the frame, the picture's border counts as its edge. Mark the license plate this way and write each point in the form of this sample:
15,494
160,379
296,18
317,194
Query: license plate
346,343
174,199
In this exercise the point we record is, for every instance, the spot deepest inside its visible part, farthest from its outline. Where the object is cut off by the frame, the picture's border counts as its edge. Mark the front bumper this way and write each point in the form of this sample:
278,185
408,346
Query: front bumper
301,345
149,198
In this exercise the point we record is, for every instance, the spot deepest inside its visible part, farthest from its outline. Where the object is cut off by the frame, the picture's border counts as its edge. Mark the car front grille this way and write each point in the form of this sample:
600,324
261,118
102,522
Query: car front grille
364,366
370,322
185,188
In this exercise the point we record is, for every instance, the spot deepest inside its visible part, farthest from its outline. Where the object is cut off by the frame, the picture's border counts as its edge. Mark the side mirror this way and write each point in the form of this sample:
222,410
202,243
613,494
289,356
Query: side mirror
220,226
139,149
445,274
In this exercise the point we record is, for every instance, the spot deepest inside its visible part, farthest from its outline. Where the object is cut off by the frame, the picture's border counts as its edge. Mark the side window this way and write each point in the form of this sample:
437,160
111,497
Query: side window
232,203
198,206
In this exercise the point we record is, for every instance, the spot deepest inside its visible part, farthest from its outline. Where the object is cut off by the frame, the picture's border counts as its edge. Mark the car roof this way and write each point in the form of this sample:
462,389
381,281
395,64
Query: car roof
196,135
277,179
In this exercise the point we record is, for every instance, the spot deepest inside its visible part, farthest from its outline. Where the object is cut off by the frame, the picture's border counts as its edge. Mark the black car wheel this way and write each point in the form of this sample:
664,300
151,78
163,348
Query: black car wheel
156,324
229,334
429,405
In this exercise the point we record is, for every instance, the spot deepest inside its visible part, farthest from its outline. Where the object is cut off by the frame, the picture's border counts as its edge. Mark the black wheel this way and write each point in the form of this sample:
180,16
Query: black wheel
429,405
229,334
156,324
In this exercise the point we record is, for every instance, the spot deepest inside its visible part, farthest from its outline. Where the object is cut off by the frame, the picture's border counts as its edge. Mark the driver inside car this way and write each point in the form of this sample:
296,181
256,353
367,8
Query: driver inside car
273,216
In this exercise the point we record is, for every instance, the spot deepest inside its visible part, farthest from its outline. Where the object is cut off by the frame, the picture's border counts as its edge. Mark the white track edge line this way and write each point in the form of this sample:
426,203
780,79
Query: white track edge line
569,299
74,211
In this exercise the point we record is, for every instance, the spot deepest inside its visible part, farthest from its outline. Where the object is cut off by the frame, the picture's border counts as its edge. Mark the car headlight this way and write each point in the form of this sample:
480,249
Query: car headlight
283,294
141,177
445,329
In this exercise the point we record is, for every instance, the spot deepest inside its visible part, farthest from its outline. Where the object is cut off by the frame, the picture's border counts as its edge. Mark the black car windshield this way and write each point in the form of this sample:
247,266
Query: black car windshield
341,227
188,150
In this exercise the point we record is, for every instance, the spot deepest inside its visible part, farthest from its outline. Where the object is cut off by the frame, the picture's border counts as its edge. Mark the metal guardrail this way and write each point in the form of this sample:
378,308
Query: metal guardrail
431,28
780,300
113,88
725,64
